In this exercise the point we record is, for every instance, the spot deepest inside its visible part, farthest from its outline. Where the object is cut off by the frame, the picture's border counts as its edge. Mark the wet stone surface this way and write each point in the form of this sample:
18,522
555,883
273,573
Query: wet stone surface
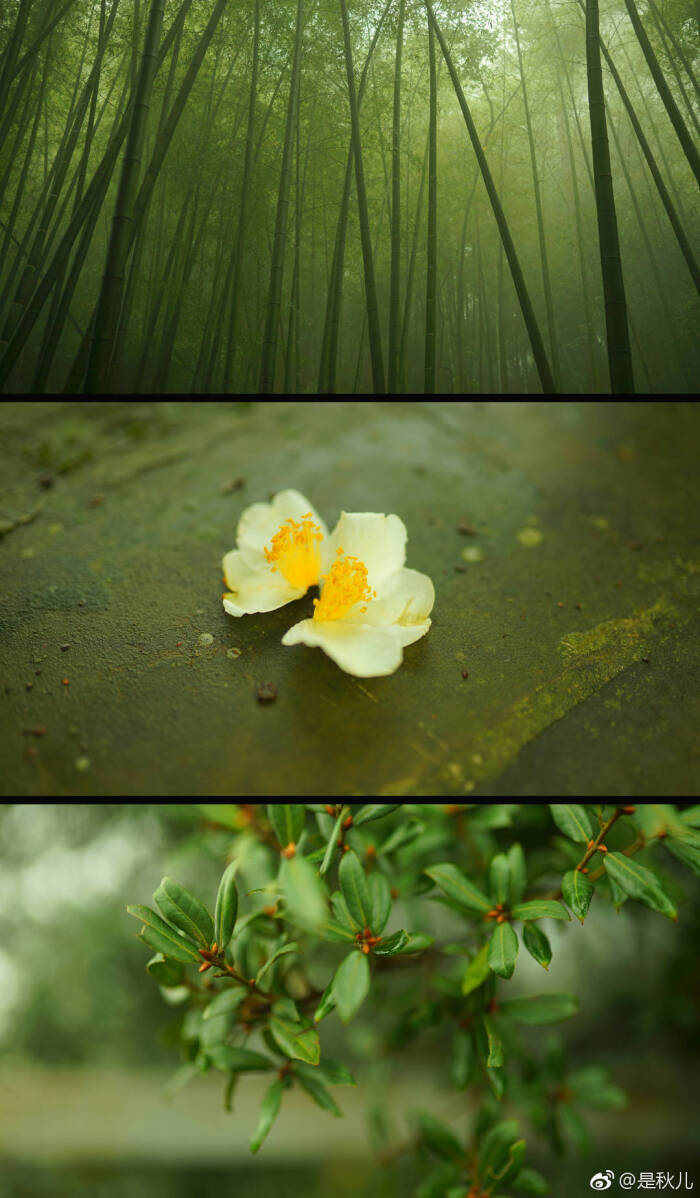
563,657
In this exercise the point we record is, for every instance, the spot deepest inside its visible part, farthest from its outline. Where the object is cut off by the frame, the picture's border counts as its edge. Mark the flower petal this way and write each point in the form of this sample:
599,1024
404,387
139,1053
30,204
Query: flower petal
259,523
360,649
254,589
377,540
404,598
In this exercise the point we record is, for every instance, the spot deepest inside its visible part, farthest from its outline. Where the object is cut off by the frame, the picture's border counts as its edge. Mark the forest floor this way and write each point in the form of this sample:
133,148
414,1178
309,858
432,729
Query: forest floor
561,538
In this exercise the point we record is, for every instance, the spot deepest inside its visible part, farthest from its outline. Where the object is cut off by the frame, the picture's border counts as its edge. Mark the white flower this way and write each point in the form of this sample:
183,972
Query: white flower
371,606
277,558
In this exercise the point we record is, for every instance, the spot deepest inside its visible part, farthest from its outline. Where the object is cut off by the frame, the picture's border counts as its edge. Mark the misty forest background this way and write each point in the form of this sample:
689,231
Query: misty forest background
349,195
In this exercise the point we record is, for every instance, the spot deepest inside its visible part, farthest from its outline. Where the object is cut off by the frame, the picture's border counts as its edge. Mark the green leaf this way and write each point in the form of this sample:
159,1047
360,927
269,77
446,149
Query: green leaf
691,816
499,879
330,929
304,893
435,1185
355,890
159,935
380,901
342,914
616,893
269,1111
224,1003
494,1149
540,1008
373,811
416,942
351,984
238,1060
185,911
166,973
574,1127
540,909
458,888
495,1047
592,1089
331,1073
686,850
477,970
573,820
319,1093
497,1081
639,882
291,947
391,945
518,873
226,908
333,839
326,1004
512,1167
503,950
531,1182
537,944
298,1041
287,819
577,892
440,1139
462,1059
491,815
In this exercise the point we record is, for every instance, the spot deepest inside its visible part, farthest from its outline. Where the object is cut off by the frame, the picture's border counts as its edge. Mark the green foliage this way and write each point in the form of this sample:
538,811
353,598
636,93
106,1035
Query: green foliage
318,936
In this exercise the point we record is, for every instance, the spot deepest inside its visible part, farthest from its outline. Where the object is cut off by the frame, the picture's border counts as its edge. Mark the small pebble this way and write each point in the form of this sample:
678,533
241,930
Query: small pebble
46,480
64,647
82,764
473,554
466,529
267,693
28,685
233,652
460,569
206,639
81,603
465,673
233,484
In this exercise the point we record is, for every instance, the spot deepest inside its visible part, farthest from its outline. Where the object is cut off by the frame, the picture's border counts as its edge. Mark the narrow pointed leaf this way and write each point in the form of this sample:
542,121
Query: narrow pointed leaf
540,909
440,1139
157,934
287,819
268,1113
573,820
503,950
537,944
185,911
319,1093
391,945
577,892
540,1008
373,811
226,908
296,1041
304,893
291,947
351,984
452,881
225,1002
499,879
477,970
639,882
380,901
355,890
495,1046
238,1060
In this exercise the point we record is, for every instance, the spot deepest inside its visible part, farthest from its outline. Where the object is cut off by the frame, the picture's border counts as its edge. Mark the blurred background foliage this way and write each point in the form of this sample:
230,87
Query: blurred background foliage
76,1003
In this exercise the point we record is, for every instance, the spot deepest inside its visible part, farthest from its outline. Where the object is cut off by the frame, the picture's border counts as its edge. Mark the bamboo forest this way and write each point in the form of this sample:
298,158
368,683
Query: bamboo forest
349,196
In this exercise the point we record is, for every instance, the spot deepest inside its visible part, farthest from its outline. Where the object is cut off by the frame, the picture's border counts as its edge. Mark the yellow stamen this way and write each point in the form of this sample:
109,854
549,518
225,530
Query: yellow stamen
294,551
345,585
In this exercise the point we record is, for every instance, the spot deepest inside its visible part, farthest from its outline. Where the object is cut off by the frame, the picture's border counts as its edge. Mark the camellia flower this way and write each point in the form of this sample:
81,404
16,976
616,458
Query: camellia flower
370,604
261,578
